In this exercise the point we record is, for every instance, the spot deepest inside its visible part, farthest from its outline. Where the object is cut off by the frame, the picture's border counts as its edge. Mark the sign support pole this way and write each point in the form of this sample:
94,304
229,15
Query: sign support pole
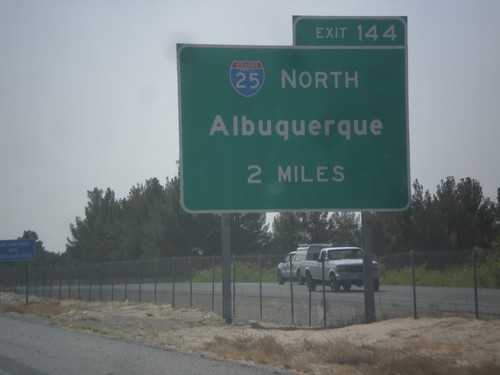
226,267
366,223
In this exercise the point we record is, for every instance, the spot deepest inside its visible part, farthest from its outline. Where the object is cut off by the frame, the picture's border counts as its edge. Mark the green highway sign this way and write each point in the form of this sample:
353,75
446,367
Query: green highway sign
292,128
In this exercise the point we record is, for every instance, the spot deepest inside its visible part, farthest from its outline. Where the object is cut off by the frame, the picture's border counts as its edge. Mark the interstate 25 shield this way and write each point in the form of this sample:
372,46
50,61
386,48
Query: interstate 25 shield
247,77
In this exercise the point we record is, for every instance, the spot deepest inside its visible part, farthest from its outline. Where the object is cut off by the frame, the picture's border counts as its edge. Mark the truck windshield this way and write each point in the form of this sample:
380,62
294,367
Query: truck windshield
345,254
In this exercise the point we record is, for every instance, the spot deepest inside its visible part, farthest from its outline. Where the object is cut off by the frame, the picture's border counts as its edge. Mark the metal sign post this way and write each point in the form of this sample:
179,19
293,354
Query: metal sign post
226,267
366,223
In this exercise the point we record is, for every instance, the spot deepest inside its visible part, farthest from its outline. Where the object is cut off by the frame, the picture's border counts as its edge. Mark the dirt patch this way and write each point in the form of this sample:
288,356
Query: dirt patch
422,346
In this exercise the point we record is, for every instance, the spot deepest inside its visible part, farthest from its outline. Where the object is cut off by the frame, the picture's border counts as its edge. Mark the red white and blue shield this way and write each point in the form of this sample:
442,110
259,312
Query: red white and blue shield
247,77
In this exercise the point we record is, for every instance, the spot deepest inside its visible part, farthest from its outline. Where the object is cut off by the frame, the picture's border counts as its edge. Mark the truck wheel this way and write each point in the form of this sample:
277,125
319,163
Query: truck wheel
376,285
311,284
300,279
334,284
347,287
281,280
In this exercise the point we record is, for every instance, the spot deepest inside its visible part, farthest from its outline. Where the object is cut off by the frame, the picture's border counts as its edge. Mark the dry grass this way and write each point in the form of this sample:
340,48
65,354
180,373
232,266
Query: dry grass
417,358
46,309
262,350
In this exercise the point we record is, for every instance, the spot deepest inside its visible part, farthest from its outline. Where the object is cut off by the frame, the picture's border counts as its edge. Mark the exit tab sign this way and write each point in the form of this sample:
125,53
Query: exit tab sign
350,31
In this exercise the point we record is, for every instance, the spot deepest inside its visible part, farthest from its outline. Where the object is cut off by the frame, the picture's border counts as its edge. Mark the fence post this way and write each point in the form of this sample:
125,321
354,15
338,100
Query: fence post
26,277
100,280
112,282
69,283
260,285
156,278
51,282
323,260
78,270
125,279
60,282
43,281
310,303
213,281
173,282
474,271
90,284
140,281
190,281
414,285
234,287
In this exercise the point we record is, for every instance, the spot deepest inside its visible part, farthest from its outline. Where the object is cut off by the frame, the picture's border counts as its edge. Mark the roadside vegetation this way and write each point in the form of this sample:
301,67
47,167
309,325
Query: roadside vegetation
343,357
46,309
459,272
456,276
459,276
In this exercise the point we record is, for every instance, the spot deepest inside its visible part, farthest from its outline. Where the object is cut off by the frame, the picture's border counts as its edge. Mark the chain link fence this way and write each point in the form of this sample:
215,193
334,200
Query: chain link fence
414,284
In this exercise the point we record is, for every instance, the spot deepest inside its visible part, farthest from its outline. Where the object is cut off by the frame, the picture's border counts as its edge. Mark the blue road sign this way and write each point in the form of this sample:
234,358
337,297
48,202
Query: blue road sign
17,250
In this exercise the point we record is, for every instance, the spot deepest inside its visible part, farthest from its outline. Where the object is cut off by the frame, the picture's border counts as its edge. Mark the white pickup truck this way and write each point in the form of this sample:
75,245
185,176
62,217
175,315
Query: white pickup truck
284,268
343,268
303,253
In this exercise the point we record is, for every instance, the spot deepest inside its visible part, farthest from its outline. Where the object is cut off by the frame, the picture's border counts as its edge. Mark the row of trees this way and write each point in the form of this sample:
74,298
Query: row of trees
457,217
149,223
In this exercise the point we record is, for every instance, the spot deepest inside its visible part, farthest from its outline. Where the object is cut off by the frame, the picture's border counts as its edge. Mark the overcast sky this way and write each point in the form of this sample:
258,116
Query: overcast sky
88,93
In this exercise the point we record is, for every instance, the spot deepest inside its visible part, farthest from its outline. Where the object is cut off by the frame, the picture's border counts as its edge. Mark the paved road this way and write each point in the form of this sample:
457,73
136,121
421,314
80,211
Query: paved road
443,299
28,347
